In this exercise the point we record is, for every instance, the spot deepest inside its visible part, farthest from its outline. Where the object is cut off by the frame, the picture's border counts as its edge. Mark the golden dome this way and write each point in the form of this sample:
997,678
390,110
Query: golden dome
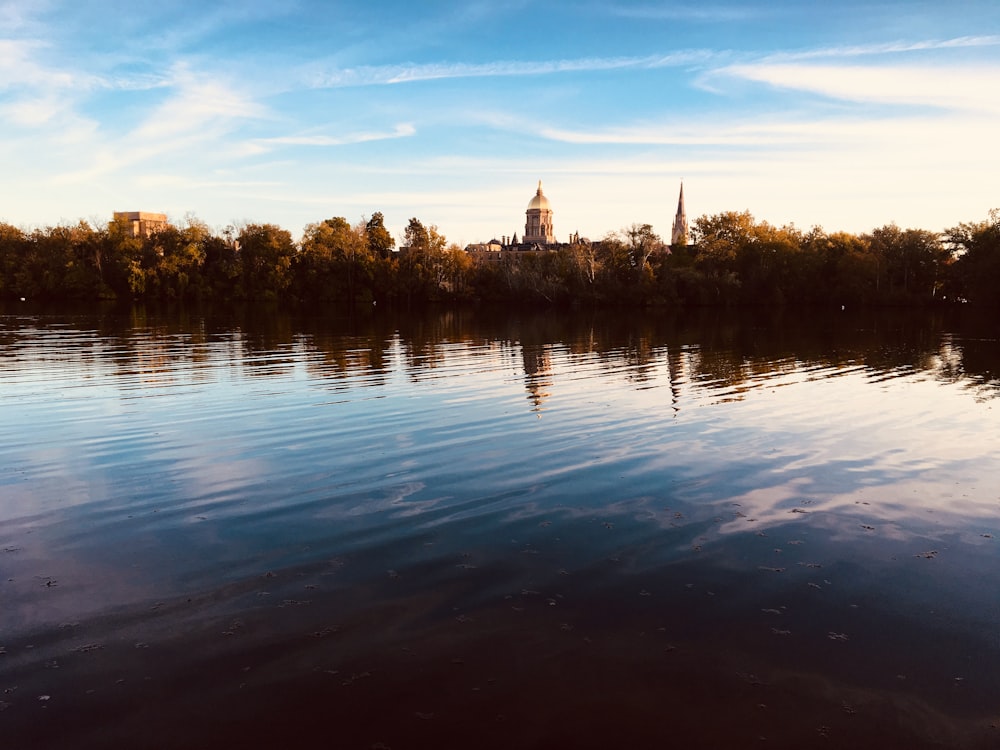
539,201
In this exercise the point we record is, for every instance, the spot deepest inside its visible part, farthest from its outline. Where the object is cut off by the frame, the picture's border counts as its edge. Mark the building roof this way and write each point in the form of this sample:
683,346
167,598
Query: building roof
539,201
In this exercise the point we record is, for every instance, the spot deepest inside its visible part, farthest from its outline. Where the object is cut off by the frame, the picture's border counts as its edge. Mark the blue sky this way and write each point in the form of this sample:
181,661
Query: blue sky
848,115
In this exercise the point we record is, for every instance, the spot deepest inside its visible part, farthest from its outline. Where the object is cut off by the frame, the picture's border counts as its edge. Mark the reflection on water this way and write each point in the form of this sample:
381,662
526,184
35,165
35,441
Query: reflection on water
551,525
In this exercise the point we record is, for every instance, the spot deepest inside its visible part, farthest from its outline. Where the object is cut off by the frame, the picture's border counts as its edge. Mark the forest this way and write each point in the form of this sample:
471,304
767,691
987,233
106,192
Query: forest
733,259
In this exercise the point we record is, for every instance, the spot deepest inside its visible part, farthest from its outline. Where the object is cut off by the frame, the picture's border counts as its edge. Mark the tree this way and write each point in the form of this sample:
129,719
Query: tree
616,273
380,242
15,249
912,262
422,267
975,248
844,268
266,253
222,269
642,242
335,262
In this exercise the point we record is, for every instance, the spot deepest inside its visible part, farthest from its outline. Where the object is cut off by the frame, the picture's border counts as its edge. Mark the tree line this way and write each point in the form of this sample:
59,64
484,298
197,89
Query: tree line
734,259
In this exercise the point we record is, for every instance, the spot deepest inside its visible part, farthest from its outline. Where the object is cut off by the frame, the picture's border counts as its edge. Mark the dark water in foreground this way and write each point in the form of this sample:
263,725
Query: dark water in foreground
460,530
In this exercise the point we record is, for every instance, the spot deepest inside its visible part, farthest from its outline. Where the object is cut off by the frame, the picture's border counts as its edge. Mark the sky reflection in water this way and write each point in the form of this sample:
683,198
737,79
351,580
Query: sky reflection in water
149,461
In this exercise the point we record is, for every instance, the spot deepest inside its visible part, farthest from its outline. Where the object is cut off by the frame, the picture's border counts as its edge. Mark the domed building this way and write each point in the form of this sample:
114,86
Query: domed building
538,220
539,235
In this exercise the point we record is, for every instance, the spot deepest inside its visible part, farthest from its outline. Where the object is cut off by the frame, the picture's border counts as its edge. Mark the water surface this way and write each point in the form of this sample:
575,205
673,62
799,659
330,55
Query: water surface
491,530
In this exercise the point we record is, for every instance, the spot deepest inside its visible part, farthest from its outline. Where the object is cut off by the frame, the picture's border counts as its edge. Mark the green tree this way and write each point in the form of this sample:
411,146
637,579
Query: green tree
335,263
912,263
845,269
718,241
616,271
265,252
222,270
176,257
421,265
15,251
975,248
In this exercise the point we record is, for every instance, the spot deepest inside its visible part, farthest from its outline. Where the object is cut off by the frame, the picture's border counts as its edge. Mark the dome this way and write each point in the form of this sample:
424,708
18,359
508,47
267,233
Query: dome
539,201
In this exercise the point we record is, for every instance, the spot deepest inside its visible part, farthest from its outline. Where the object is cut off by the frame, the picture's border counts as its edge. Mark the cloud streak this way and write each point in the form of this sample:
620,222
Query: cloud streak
397,74
198,109
967,88
696,13
260,145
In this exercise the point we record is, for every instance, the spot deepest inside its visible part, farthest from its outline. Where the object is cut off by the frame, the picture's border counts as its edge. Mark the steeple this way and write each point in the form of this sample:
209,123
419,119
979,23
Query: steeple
680,236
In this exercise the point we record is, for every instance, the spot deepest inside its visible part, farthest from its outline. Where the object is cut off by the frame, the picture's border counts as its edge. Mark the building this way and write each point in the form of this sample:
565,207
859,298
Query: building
538,220
679,235
486,250
539,235
142,223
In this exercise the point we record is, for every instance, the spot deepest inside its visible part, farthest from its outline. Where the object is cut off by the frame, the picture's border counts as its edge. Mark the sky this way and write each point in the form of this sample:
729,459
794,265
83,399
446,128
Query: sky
846,115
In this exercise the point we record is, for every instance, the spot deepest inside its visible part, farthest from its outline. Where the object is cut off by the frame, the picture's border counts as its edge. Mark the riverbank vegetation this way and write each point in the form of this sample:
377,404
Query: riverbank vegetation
734,260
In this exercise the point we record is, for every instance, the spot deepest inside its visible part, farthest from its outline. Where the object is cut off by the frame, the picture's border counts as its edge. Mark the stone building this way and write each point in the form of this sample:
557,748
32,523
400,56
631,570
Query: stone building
538,220
539,235
142,223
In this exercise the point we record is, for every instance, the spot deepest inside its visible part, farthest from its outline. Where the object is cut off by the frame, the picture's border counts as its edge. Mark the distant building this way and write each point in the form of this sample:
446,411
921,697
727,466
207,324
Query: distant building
142,223
680,235
486,250
538,220
539,236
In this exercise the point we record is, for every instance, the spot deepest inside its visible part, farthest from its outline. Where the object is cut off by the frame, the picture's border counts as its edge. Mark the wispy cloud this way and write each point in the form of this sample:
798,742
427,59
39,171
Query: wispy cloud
260,145
395,74
686,12
969,88
20,68
197,101
786,132
199,108
884,48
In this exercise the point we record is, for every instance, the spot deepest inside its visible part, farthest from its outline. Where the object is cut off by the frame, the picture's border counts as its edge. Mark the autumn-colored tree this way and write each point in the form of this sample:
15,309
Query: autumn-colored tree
335,263
380,242
422,268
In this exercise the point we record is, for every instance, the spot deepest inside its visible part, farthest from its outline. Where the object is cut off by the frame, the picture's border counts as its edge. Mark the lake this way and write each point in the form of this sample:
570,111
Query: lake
499,530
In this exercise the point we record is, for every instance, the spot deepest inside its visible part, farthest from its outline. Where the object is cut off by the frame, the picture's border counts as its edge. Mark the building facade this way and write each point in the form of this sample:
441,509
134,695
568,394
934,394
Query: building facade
538,220
142,223
539,235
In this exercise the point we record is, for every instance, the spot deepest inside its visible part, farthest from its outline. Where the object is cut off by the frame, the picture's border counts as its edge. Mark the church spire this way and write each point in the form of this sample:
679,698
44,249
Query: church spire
680,235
